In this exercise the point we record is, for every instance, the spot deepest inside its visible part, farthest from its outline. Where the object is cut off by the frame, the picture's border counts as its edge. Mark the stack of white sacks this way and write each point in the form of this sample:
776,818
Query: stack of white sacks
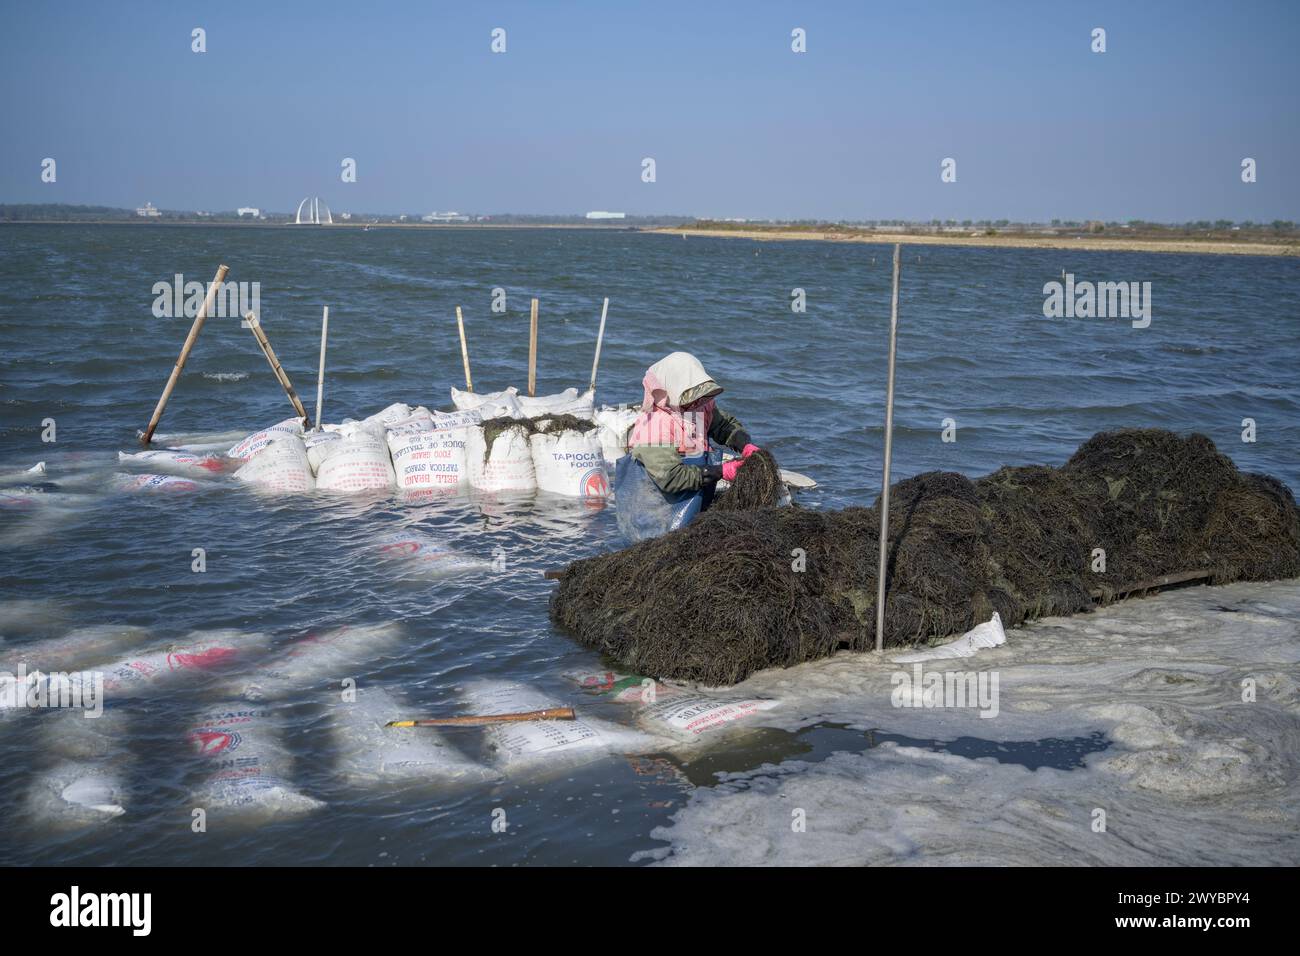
433,453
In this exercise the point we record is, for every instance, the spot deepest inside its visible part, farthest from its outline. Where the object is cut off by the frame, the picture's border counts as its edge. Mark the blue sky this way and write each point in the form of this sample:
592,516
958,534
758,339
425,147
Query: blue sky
1040,126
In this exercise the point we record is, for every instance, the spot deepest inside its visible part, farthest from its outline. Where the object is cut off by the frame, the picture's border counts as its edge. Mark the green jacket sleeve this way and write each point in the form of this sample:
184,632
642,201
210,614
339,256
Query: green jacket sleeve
664,464
727,430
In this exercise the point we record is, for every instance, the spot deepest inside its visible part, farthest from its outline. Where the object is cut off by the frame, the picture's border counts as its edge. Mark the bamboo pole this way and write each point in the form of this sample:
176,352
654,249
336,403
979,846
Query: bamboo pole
532,351
889,450
280,374
320,375
464,351
1163,581
600,337
190,339
550,713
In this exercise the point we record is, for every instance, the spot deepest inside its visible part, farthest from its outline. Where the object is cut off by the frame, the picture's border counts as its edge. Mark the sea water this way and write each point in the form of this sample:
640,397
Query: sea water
1135,711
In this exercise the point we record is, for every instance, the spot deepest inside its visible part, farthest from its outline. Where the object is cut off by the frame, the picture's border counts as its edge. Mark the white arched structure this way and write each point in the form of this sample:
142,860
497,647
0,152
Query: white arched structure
314,218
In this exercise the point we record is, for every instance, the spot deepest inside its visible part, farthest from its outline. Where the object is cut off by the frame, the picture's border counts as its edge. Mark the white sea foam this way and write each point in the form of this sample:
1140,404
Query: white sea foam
1194,773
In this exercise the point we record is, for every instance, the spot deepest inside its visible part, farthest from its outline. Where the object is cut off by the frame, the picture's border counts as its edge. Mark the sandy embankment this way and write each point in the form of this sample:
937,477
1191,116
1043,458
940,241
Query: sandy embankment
1095,243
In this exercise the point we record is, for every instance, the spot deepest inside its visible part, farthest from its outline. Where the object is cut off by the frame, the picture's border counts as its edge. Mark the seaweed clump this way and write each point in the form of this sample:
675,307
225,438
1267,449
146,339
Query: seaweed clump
758,485
741,590
494,427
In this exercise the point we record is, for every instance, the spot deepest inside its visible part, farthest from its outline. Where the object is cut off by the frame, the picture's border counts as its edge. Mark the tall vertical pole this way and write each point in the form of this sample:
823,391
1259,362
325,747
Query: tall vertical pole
532,351
464,350
600,337
320,376
889,451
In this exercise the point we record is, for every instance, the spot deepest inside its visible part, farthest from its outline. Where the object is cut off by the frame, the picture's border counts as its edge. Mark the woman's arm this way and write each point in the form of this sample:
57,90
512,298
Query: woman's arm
727,430
664,464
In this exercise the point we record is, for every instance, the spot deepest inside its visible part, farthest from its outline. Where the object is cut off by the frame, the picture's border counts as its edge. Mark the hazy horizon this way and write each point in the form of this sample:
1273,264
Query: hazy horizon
855,128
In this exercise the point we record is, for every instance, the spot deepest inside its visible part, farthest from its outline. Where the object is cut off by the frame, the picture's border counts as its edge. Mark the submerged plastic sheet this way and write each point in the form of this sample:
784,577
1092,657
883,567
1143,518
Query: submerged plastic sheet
645,511
988,634
85,785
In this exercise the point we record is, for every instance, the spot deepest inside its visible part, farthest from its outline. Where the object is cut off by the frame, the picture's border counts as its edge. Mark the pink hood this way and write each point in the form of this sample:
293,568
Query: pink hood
662,421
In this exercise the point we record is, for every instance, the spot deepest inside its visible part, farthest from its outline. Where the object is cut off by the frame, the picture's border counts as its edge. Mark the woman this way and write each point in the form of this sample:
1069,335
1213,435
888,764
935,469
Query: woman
678,418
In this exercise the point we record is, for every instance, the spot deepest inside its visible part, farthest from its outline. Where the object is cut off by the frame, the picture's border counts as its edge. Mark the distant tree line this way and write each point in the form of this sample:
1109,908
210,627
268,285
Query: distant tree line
63,212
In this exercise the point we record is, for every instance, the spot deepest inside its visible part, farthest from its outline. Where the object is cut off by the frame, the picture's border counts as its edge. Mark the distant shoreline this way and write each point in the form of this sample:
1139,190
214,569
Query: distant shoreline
1013,241
1095,243
254,224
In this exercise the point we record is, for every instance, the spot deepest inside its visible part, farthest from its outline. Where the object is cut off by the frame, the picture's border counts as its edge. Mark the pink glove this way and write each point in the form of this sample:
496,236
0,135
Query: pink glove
749,450
730,467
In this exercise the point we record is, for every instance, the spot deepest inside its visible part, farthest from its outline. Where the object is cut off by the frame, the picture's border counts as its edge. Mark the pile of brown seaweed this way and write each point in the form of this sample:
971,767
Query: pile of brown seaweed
728,594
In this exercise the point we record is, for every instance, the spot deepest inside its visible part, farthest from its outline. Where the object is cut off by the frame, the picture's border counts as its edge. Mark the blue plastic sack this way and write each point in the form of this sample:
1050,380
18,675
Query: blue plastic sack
644,510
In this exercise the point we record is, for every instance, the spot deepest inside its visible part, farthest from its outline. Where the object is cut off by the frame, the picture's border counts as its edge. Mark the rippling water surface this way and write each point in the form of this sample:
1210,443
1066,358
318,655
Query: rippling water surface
79,345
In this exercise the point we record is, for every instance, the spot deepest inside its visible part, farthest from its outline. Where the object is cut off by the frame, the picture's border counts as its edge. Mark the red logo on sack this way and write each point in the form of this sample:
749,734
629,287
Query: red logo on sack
210,658
208,743
595,484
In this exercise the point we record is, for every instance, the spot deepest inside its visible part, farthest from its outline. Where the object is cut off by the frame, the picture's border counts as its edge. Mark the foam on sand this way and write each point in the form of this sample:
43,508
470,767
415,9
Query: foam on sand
1193,774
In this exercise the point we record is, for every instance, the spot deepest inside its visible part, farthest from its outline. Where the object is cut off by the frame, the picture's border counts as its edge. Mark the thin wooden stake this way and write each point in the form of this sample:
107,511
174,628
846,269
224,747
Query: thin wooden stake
1163,581
280,374
532,351
320,376
464,351
889,449
600,337
147,435
551,713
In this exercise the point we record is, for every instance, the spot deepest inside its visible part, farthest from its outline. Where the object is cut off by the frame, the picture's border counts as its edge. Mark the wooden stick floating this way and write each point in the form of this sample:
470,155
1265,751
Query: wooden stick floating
190,339
532,351
551,713
464,351
600,337
278,369
320,376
